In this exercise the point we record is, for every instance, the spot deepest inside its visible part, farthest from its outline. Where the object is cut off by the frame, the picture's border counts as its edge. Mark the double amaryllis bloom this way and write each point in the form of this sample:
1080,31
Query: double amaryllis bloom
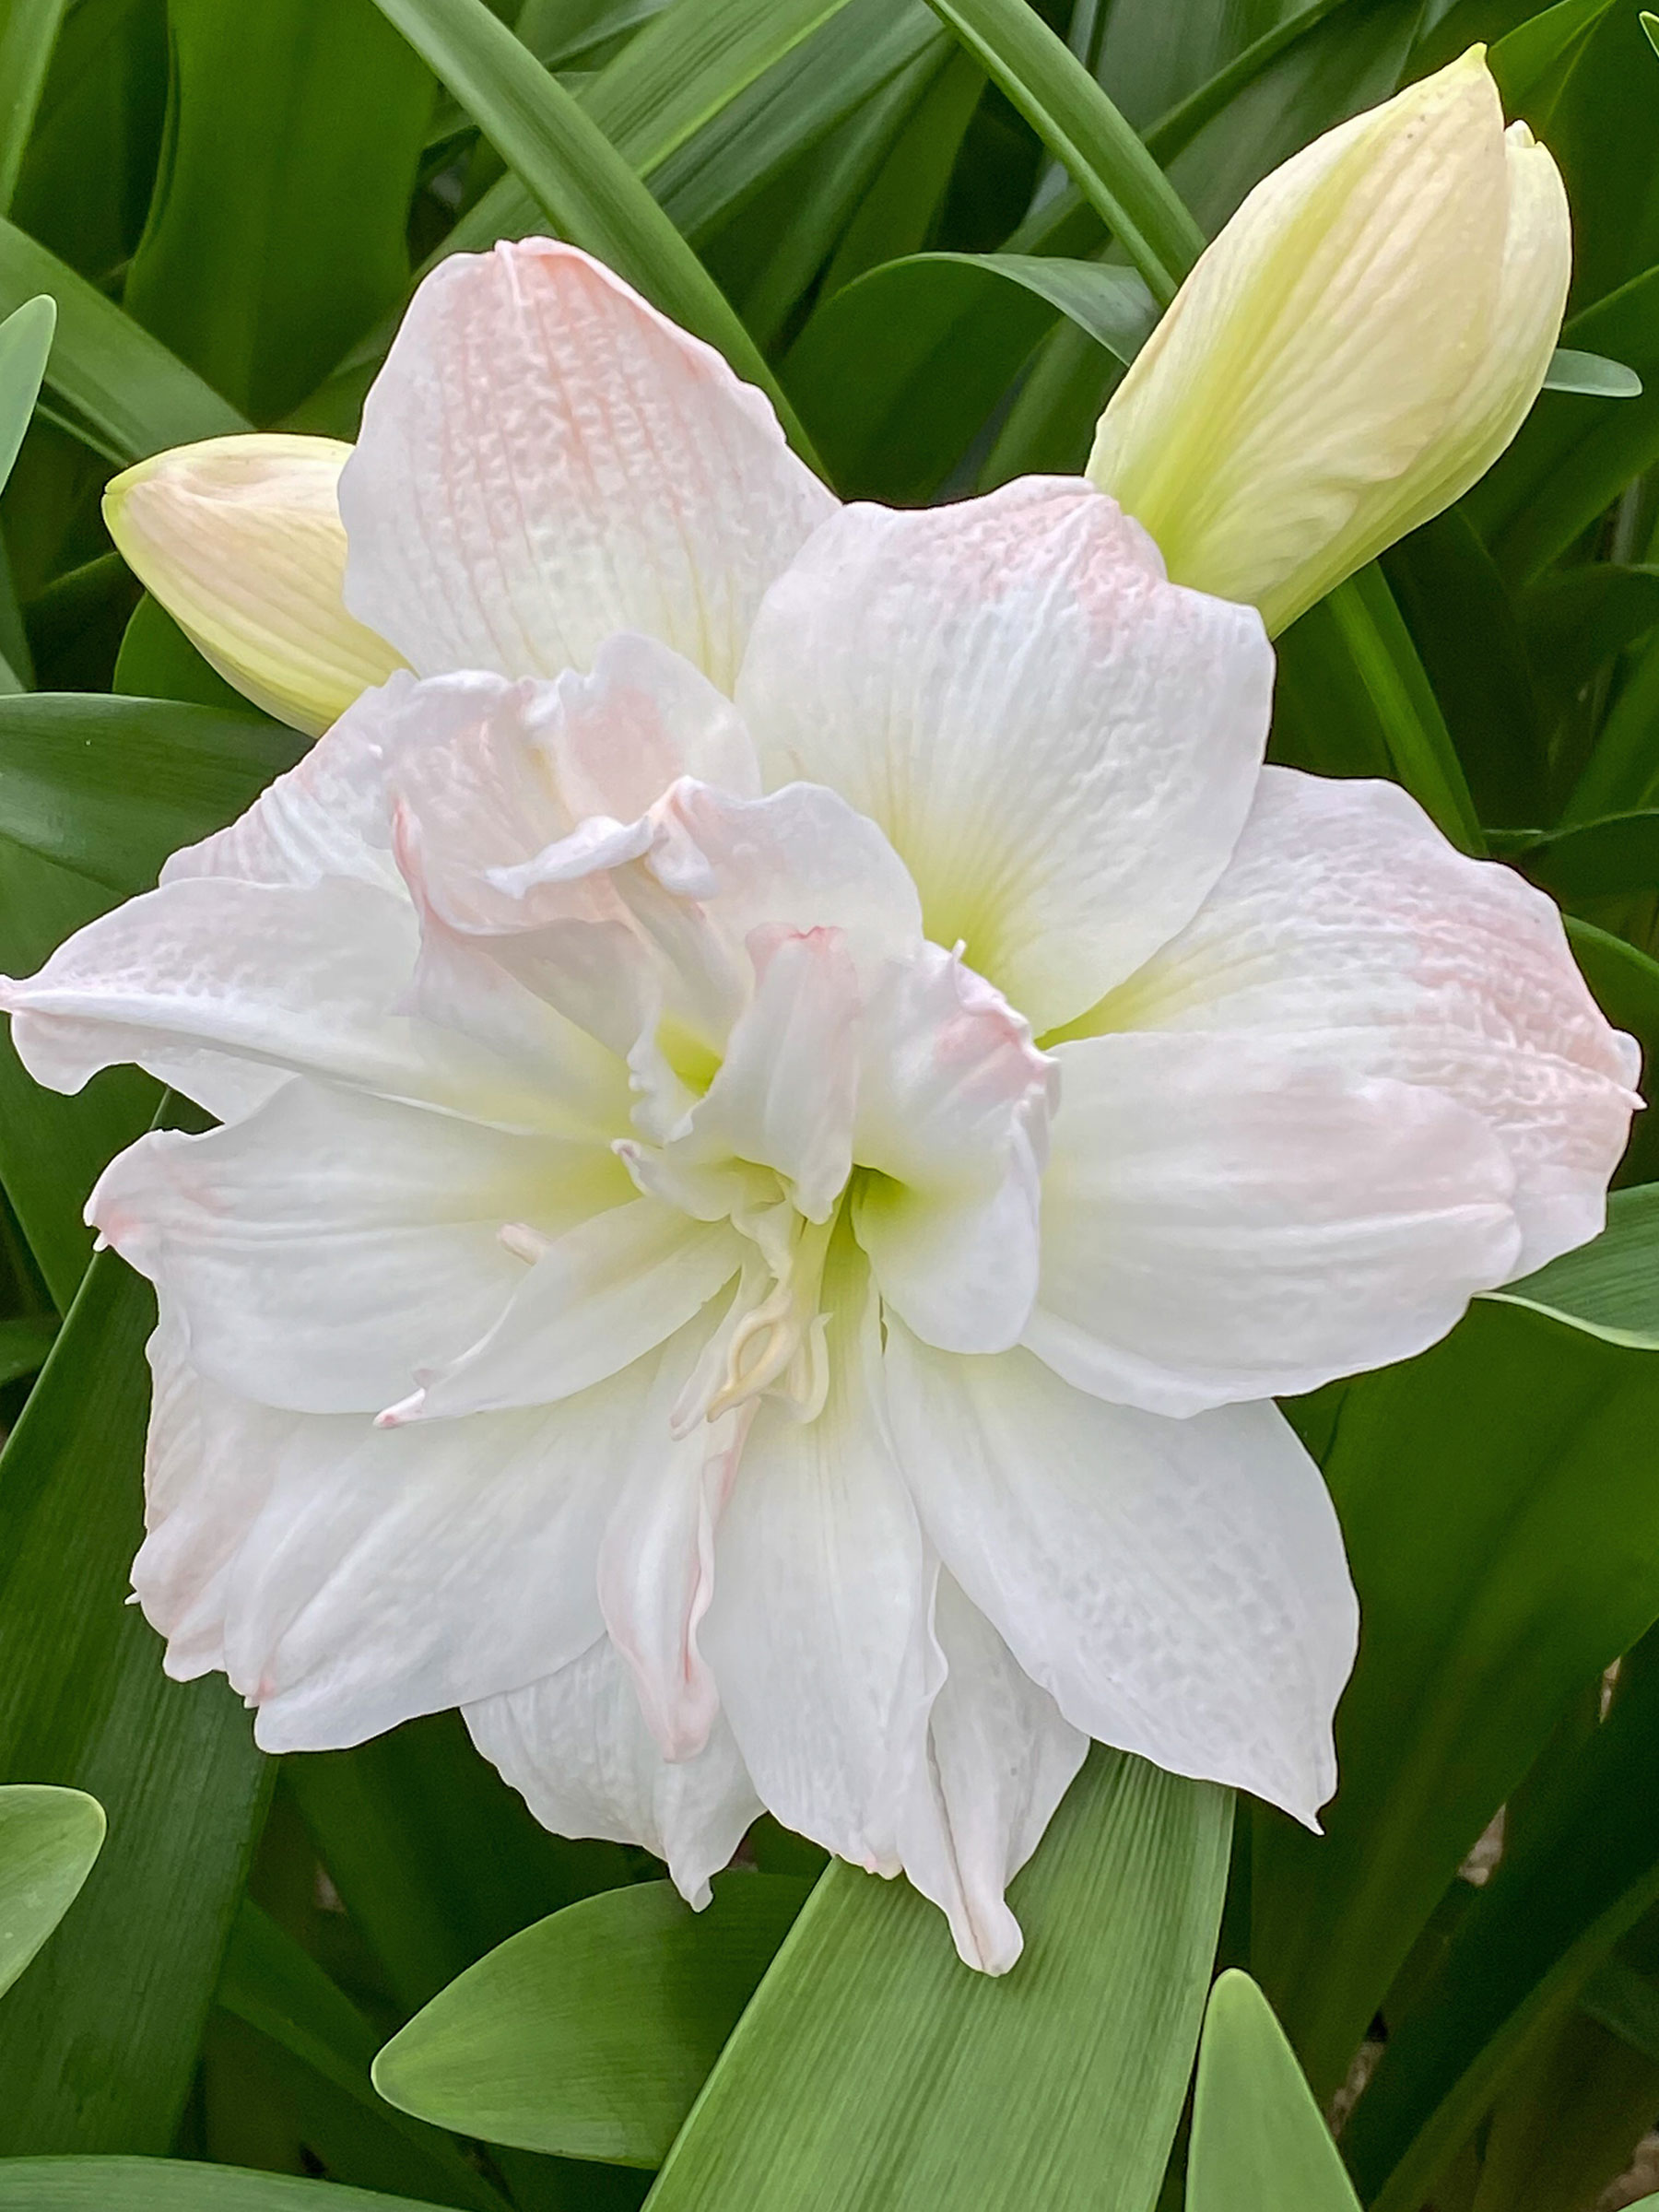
791,1088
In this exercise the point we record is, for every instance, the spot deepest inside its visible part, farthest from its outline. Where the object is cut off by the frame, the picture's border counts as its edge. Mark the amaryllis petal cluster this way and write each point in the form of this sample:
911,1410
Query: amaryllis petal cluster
790,1091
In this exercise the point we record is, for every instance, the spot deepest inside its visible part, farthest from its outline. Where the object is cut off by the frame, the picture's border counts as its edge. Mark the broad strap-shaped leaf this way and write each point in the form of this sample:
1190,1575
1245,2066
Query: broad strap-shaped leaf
1502,1526
98,2043
136,397
1079,124
591,2033
118,2184
1609,1287
111,786
1582,1869
49,1838
590,193
896,373
27,38
871,2069
1259,2141
25,343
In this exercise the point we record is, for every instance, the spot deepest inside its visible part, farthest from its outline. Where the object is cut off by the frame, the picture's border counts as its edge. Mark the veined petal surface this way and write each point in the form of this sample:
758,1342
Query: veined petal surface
546,460
1178,1587
1346,930
1060,745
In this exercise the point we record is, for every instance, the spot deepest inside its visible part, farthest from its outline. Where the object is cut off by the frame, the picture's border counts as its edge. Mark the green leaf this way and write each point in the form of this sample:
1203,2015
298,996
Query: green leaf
1531,61
762,133
97,2044
872,2068
1609,1287
25,342
436,1858
896,373
1592,374
137,397
1583,1871
54,1149
1260,2143
173,2185
1574,454
25,1340
591,2033
157,661
1593,860
27,38
111,786
1463,624
588,190
1083,130
1353,697
276,237
272,1983
49,1838
1577,621
1626,985
1503,1533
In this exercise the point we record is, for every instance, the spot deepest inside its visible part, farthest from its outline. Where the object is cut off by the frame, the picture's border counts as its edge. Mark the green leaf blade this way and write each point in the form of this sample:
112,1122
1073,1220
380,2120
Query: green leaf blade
49,1838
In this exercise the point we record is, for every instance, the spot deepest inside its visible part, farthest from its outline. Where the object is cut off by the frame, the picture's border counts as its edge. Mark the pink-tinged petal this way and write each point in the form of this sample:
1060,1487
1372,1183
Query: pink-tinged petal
546,460
657,1563
1346,929
290,979
1178,1587
785,1095
1060,744
953,1110
1223,1220
599,1297
799,859
575,1746
322,1249
332,815
818,1629
507,817
1000,1759
347,1577
645,717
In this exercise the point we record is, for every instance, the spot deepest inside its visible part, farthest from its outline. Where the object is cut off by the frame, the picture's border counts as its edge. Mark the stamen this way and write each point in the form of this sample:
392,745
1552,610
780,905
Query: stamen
781,1339
523,1242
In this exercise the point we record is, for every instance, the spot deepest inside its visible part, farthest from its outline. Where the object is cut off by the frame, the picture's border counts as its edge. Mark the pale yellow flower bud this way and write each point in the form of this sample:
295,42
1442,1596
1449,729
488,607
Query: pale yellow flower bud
240,540
1354,350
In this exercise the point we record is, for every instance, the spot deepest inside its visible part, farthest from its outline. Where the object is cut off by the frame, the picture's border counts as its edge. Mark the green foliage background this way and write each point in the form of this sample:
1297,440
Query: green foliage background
934,230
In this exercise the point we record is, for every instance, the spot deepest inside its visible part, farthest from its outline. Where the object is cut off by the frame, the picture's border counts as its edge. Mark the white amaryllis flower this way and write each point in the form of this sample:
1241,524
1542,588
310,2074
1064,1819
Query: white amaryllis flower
1358,344
791,1090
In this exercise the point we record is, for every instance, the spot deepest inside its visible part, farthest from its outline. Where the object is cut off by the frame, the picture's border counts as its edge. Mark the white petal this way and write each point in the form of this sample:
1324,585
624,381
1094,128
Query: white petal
1221,1220
329,816
1060,745
322,1249
1179,1587
546,460
348,1577
817,1632
598,1298
292,979
953,1110
785,1095
1348,929
1000,1759
799,859
657,1563
240,540
576,1748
